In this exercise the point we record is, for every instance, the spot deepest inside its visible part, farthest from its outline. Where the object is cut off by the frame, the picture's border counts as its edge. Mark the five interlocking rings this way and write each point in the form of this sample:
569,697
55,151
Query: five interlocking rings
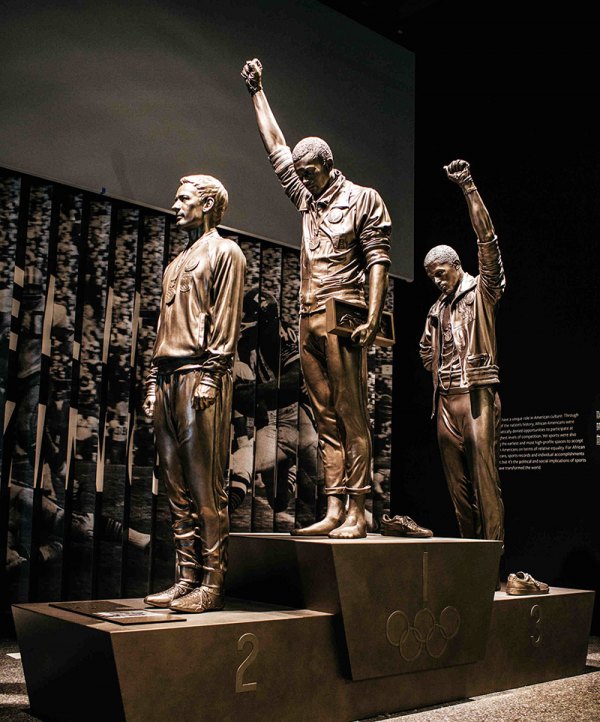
424,632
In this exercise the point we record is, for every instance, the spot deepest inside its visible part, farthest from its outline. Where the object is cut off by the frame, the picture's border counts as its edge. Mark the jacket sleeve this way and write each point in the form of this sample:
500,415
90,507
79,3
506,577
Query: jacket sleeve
375,228
425,346
283,165
152,374
228,268
491,271
150,382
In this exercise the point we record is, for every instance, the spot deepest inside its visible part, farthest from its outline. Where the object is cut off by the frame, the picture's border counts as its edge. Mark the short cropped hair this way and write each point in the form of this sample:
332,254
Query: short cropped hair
209,187
442,254
314,148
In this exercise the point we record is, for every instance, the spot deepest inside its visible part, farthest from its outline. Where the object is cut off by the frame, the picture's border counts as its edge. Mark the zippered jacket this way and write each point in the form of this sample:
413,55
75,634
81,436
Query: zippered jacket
473,323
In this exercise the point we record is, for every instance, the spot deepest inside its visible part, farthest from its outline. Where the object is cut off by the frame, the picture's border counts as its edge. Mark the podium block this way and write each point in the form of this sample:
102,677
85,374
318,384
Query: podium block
252,661
399,625
406,605
534,638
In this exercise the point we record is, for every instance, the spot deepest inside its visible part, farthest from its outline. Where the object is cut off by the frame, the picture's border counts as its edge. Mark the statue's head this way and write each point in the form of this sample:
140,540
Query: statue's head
199,197
313,161
443,266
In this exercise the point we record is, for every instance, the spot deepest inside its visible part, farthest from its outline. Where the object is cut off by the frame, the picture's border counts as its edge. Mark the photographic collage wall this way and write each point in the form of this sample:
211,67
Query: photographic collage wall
83,513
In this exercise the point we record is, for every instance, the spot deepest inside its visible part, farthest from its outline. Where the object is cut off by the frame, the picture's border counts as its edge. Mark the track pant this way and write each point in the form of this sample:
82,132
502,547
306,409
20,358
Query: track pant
468,431
192,448
335,373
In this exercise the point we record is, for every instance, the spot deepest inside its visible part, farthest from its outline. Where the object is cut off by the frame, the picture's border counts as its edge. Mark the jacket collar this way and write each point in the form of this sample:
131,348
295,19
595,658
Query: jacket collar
466,284
313,204
203,237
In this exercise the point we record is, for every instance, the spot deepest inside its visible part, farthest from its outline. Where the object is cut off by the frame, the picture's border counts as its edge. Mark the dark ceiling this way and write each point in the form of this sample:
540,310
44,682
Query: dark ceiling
407,21
457,47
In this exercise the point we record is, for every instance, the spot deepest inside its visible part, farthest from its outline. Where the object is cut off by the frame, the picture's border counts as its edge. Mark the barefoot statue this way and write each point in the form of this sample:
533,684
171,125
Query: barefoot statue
345,236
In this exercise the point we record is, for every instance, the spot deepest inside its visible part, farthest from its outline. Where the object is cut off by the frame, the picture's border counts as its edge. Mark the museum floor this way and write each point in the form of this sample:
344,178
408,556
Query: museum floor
575,699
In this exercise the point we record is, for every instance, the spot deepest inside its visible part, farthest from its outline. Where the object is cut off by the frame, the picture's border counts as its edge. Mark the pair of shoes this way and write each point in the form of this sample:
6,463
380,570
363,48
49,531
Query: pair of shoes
164,599
523,583
403,526
201,599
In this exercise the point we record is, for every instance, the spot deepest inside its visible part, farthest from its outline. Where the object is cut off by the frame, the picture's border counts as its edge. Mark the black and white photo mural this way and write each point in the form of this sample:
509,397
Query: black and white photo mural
82,510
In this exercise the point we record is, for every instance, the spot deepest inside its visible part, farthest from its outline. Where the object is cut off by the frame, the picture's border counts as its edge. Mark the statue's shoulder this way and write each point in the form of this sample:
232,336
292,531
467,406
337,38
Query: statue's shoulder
357,192
434,311
223,246
358,188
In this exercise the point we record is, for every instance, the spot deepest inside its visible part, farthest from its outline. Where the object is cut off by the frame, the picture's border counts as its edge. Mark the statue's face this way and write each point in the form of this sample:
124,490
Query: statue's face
446,276
314,175
189,208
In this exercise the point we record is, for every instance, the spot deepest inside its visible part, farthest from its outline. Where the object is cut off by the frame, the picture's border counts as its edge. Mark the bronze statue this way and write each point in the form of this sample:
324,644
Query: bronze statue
189,391
458,346
345,234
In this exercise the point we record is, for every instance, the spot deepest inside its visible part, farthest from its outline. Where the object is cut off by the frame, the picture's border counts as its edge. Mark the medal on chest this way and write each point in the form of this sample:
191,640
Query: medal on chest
185,283
335,215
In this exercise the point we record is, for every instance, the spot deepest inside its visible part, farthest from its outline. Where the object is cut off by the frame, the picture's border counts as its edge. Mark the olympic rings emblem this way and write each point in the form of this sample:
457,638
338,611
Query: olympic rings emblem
423,633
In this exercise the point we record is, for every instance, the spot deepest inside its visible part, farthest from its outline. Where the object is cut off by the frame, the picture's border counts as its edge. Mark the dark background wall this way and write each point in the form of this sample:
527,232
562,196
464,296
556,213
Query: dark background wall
131,96
519,103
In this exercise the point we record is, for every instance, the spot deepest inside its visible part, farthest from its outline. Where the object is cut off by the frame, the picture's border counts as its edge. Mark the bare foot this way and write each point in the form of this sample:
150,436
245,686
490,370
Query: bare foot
320,528
355,525
350,529
334,517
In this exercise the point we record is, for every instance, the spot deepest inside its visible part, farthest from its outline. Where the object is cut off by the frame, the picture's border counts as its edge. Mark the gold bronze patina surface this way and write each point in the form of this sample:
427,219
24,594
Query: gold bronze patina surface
189,391
346,232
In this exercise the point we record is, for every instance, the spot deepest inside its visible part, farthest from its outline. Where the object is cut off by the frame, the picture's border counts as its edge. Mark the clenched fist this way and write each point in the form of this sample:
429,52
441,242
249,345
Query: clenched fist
252,74
459,172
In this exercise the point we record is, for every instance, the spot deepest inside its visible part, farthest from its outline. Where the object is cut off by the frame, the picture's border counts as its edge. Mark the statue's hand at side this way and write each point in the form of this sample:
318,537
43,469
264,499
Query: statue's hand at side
148,406
252,74
204,396
364,335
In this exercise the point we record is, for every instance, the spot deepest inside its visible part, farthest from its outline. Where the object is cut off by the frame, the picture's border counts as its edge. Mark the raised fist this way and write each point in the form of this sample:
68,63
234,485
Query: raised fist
459,172
252,74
